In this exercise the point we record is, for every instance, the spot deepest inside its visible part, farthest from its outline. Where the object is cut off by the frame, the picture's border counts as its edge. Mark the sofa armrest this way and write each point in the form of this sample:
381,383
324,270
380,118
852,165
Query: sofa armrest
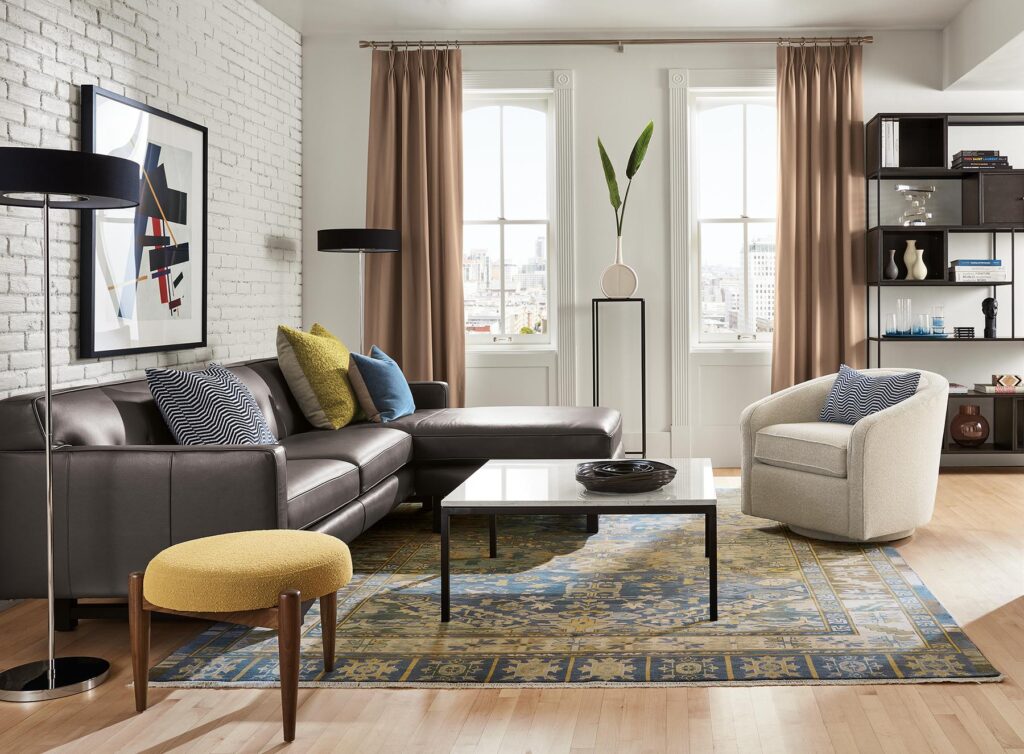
893,463
429,393
800,403
115,507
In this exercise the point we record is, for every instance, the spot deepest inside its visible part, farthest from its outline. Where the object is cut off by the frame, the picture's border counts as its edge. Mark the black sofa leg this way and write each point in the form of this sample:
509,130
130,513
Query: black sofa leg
593,526
63,617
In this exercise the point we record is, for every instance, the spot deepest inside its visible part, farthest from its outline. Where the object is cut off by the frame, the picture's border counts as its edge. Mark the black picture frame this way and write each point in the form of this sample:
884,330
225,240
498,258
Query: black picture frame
87,340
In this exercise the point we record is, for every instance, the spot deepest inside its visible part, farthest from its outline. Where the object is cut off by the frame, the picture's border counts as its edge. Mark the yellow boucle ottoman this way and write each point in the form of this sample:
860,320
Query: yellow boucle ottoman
246,570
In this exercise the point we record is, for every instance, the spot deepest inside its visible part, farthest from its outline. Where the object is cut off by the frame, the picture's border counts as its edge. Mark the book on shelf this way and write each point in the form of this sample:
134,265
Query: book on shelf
955,388
998,389
890,143
977,262
981,158
979,275
976,153
983,166
1007,380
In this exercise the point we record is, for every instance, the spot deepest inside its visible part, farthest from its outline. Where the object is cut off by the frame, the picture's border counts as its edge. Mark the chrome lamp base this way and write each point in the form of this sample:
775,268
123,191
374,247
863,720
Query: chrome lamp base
32,682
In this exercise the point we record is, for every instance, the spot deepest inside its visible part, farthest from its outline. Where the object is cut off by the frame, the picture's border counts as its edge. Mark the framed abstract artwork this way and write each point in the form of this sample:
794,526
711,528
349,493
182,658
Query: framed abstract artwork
143,269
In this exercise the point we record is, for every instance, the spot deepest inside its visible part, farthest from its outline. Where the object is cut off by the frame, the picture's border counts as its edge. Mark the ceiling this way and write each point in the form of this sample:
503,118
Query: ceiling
609,16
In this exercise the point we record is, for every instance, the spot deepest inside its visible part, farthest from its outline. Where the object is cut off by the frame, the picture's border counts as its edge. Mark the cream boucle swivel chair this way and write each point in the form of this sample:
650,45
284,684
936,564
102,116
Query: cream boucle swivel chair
871,481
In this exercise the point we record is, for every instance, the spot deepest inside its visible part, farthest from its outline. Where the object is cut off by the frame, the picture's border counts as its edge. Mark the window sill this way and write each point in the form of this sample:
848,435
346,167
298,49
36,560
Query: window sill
731,348
511,348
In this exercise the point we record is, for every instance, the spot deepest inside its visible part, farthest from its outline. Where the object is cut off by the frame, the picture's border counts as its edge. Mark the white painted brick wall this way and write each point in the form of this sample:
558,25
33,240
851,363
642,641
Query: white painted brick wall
227,64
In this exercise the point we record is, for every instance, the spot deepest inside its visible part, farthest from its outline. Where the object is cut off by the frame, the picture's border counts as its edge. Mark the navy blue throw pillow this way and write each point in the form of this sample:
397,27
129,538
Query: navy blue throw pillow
208,407
855,395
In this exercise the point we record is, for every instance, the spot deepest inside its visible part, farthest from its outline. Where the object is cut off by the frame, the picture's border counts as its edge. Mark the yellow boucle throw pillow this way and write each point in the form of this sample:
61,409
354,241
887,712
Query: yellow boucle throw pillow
315,364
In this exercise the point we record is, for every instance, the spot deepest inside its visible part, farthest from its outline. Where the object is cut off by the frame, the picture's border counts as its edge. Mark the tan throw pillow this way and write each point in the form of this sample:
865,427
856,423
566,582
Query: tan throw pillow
315,364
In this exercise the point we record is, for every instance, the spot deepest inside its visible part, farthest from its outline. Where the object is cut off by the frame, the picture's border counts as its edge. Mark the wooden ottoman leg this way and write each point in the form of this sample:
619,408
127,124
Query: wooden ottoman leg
138,629
328,625
289,618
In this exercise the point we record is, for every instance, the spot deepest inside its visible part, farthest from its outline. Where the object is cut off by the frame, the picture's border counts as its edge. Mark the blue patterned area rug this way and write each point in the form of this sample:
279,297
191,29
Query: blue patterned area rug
627,606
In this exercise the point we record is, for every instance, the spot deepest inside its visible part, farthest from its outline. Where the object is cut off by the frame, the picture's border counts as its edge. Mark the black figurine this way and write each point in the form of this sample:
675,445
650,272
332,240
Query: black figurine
989,307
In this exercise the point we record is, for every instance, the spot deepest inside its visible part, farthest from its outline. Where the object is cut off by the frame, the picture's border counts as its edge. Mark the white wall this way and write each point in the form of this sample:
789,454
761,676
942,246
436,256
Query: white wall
227,64
615,94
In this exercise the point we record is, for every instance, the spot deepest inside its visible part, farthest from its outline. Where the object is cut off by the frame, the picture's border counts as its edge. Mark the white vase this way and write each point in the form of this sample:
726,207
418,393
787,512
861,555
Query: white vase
910,258
920,270
619,280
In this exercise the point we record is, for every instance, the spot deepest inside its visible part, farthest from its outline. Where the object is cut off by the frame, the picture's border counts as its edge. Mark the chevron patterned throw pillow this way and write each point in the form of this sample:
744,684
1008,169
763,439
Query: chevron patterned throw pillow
208,407
855,395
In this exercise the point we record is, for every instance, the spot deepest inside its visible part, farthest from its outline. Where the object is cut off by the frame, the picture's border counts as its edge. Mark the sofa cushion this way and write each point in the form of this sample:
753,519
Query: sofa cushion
316,367
382,389
208,407
813,447
855,395
317,487
378,451
468,434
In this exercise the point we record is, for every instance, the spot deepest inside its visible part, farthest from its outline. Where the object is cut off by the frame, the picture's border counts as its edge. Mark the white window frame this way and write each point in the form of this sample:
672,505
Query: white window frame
485,98
744,340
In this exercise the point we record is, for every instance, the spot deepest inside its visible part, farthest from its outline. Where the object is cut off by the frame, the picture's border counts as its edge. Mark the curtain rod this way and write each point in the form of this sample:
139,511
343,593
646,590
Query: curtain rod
619,43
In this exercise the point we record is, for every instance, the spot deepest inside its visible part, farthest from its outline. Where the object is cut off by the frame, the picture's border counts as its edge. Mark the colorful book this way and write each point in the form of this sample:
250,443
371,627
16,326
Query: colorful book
1007,380
998,390
955,388
977,263
980,158
977,153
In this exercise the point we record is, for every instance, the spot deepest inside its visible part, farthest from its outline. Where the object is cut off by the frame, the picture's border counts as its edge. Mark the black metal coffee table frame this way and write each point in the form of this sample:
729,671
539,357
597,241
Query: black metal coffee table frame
709,511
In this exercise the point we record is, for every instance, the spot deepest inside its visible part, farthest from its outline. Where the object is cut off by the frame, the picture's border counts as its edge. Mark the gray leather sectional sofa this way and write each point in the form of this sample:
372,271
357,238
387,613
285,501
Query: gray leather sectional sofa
124,491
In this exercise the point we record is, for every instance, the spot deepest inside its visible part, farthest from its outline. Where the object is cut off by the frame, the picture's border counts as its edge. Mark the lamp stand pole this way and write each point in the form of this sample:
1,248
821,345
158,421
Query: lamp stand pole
55,676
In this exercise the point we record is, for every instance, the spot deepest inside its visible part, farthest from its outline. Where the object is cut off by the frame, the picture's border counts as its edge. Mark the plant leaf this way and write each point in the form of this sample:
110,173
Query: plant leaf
639,150
609,176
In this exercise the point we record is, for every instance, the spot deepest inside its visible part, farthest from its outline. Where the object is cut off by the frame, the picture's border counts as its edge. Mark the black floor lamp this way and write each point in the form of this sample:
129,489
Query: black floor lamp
359,241
59,179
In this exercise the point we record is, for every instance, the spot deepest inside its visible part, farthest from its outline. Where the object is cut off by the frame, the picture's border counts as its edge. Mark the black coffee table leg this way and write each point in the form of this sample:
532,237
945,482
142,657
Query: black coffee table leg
593,525
711,552
445,570
493,525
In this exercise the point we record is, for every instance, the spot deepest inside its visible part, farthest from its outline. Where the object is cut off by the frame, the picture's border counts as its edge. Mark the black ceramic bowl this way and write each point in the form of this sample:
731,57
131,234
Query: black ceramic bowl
621,477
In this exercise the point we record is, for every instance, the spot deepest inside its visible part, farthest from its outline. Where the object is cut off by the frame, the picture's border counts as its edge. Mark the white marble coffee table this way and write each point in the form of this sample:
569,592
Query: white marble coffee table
550,487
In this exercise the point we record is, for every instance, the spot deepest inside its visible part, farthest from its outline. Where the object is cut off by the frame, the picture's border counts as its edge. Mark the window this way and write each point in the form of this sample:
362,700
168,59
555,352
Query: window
507,228
733,198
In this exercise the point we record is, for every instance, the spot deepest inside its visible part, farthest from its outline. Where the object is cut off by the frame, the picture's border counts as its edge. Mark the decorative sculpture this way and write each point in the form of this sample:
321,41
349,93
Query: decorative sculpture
989,307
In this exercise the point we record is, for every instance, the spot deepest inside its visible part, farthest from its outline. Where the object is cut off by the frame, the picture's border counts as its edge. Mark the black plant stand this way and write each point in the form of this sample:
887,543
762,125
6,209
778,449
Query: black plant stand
595,331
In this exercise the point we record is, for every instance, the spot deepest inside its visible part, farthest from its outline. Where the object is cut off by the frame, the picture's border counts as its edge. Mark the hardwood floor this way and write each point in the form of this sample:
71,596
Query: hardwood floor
971,556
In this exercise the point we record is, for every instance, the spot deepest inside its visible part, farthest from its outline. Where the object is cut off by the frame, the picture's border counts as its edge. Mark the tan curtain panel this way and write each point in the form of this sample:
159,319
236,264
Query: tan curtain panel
414,307
820,298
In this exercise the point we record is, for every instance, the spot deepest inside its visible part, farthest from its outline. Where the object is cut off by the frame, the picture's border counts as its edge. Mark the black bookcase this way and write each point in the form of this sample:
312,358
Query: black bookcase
990,202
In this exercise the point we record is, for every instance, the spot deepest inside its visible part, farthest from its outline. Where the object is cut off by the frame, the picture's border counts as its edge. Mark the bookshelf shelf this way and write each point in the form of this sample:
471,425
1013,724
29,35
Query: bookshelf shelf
915,147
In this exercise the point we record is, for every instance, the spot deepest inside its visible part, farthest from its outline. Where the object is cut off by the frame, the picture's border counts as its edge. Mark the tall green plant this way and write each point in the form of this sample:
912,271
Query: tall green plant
636,158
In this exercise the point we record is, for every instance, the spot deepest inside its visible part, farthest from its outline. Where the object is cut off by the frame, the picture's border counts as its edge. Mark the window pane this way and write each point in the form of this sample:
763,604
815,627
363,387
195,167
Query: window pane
761,269
719,141
761,161
526,279
481,278
526,163
481,156
721,278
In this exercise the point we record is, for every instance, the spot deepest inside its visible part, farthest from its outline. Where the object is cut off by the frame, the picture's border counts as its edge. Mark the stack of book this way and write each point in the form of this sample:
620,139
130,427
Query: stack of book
1002,384
963,333
978,271
955,388
980,159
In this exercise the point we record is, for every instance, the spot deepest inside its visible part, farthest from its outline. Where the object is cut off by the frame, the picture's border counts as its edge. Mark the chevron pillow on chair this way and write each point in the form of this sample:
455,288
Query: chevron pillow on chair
855,395
208,407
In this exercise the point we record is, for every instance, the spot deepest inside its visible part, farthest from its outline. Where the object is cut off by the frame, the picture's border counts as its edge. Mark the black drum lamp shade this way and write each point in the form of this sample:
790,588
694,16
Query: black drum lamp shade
355,240
81,180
